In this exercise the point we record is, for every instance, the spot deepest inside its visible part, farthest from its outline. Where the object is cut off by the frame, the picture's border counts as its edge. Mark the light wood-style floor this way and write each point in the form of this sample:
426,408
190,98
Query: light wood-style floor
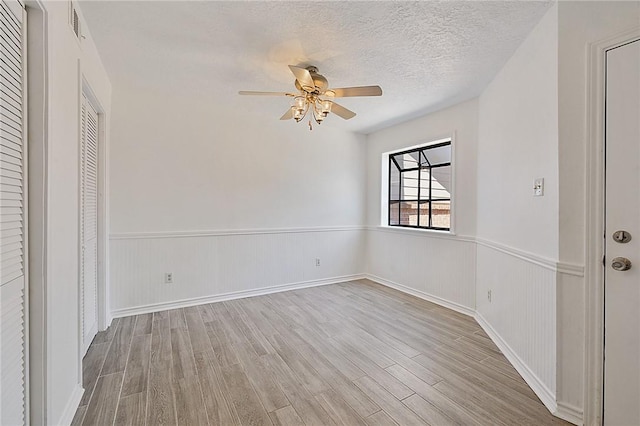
354,353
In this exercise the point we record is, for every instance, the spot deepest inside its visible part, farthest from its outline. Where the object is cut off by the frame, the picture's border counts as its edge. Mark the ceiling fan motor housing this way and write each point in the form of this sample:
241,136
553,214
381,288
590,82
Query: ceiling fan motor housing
320,82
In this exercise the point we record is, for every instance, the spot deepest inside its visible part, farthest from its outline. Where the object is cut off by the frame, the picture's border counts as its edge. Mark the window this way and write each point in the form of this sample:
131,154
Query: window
420,187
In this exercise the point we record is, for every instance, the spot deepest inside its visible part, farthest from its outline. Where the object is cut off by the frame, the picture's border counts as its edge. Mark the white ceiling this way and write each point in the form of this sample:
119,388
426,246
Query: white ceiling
424,55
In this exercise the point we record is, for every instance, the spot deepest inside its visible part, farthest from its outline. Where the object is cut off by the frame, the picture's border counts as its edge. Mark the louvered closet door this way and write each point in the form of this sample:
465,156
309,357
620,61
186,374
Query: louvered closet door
12,215
89,228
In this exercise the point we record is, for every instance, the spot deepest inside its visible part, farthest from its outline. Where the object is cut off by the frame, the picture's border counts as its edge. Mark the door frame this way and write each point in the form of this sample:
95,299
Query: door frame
594,223
36,315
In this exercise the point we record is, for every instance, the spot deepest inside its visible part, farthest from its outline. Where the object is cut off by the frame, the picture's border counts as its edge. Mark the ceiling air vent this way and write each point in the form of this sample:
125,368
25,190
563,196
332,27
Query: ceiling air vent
74,19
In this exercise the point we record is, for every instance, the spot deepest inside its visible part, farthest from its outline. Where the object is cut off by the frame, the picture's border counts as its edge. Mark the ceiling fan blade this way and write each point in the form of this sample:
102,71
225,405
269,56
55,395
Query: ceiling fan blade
345,92
304,77
287,115
249,92
341,111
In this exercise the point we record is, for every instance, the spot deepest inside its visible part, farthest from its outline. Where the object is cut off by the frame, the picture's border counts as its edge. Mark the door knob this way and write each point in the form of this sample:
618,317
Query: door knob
621,264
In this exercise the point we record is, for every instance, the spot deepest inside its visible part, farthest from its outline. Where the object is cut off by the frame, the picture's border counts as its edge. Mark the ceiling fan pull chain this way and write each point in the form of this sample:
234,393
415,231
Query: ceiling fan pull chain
310,128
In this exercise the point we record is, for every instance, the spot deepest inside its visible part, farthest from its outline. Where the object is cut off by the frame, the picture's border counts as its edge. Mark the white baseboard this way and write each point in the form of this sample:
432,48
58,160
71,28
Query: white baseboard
155,307
546,396
422,295
570,413
72,406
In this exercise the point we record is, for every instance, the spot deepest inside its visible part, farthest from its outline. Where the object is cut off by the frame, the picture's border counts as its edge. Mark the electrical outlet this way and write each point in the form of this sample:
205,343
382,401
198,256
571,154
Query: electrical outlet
317,261
168,277
489,296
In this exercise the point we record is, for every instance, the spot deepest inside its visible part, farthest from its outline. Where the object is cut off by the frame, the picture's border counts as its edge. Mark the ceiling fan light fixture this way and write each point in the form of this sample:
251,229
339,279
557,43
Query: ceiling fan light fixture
311,87
300,107
325,106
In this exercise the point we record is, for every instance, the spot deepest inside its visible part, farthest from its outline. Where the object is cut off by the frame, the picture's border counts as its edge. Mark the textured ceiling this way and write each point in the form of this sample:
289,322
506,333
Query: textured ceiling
424,55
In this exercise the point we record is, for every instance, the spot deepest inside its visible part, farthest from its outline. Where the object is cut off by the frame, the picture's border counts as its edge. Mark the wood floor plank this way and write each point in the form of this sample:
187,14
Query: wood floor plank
161,340
349,337
161,406
254,310
326,364
324,348
361,359
309,377
205,312
189,402
183,362
353,317
103,404
251,333
118,353
107,335
137,371
223,349
177,319
79,415
517,385
197,331
507,395
479,405
262,381
220,411
143,324
453,411
502,367
427,411
380,419
91,368
338,409
131,410
244,398
477,395
394,408
286,416
309,410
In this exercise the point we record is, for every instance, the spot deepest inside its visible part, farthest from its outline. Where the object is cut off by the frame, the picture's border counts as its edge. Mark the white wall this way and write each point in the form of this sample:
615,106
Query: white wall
518,142
428,263
184,162
187,162
518,233
68,61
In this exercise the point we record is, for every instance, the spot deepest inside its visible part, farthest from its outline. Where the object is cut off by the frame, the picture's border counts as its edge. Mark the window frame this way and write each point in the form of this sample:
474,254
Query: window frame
388,162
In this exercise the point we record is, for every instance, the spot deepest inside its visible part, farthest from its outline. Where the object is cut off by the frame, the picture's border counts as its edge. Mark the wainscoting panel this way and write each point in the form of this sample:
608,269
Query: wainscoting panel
520,314
438,268
210,266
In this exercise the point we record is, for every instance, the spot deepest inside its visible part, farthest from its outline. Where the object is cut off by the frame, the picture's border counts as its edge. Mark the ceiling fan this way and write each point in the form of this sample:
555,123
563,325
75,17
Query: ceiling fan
314,94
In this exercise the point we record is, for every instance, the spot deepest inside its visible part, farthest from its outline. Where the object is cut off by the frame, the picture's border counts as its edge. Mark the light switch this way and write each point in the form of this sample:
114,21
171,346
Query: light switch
538,187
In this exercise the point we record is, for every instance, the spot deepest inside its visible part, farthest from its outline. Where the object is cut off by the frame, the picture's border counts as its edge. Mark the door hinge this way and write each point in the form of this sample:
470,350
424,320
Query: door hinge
603,261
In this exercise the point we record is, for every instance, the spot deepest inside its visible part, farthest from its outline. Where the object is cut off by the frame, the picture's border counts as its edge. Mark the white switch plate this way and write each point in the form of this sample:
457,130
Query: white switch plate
538,187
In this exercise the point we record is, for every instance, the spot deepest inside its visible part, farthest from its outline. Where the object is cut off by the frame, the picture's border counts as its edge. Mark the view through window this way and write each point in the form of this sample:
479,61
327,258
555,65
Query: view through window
420,187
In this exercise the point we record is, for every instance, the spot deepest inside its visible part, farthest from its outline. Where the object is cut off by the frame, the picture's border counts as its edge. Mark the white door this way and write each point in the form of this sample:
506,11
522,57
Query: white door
89,224
622,287
13,297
